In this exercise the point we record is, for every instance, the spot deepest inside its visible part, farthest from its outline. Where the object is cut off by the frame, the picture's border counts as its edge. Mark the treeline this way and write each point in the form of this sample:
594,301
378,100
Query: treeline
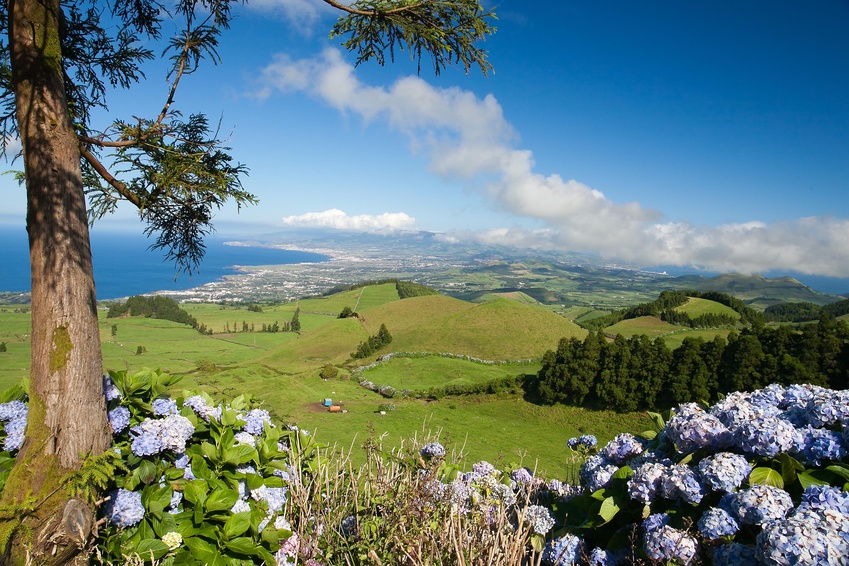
374,343
640,373
163,308
804,312
664,308
406,289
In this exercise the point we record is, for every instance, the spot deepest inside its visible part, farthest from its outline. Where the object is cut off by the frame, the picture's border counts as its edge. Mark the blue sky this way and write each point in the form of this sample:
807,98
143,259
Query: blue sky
710,135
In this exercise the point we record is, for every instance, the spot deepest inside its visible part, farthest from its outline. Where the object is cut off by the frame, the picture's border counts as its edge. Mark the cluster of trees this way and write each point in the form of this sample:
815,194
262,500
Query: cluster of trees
292,326
163,308
640,373
347,312
665,305
374,343
804,311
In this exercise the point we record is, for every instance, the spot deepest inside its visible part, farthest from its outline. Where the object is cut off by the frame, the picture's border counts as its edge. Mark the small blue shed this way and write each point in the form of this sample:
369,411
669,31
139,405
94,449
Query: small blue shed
327,402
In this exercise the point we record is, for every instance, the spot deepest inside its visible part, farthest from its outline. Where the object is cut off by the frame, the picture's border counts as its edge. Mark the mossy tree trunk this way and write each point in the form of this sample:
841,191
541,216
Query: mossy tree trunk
67,418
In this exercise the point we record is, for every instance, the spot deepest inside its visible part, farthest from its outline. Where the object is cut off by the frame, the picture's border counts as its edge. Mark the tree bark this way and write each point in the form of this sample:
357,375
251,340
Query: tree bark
67,418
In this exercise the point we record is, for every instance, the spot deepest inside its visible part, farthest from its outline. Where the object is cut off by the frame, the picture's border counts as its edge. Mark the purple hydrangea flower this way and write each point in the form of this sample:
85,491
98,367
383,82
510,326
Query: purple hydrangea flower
432,450
162,407
522,476
255,421
758,504
724,471
124,508
716,523
564,551
654,522
119,418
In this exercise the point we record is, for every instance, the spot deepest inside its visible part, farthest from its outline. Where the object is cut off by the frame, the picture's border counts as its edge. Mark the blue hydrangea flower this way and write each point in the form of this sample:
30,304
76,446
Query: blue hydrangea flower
244,438
827,407
255,421
766,436
716,523
696,429
124,508
666,544
432,450
644,484
797,395
146,440
564,551
583,442
110,390
240,507
807,537
119,418
758,504
601,557
174,506
596,472
681,482
522,476
162,407
562,491
654,522
14,434
275,497
175,431
724,471
816,445
733,554
202,409
822,497
624,447
13,410
348,526
539,518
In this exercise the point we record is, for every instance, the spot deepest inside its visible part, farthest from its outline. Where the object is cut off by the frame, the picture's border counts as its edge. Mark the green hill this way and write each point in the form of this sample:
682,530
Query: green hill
755,290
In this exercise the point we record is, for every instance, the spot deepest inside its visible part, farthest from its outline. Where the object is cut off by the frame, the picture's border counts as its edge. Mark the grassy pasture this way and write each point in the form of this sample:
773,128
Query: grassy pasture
651,326
675,339
696,307
435,371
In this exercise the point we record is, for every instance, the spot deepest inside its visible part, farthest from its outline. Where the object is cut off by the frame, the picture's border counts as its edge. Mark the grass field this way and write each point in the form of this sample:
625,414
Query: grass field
282,369
696,307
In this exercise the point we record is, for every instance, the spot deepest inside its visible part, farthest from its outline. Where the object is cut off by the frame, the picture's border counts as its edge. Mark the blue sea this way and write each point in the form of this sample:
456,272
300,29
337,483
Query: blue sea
123,266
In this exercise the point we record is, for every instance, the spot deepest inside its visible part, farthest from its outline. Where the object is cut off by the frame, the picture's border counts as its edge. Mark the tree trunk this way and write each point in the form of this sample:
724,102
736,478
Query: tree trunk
67,418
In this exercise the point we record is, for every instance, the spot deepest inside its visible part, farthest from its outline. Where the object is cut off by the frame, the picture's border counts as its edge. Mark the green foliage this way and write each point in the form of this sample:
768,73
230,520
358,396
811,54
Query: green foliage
347,312
373,344
95,475
447,31
2,346
408,289
329,371
630,374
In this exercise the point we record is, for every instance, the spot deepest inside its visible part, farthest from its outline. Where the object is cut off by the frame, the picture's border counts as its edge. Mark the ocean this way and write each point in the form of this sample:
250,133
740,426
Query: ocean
123,266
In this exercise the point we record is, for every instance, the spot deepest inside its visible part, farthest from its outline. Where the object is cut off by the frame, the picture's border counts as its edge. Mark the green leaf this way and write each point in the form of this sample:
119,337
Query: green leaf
202,550
242,545
608,509
195,491
839,469
237,524
537,542
807,480
152,546
240,454
147,472
221,499
766,476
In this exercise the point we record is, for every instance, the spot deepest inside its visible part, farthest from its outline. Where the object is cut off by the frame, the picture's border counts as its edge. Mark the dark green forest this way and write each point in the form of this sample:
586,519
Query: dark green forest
803,312
638,373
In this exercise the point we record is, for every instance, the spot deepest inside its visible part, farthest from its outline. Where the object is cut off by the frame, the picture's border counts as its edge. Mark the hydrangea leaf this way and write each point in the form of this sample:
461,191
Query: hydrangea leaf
608,509
766,476
202,550
243,545
237,524
538,542
152,546
807,479
221,499
840,469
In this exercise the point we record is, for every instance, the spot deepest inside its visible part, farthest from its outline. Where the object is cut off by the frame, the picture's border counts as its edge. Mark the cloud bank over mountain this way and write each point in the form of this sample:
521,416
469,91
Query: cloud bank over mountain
467,138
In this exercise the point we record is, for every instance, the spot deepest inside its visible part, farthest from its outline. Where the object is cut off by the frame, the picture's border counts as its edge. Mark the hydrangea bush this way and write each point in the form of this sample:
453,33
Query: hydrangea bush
757,478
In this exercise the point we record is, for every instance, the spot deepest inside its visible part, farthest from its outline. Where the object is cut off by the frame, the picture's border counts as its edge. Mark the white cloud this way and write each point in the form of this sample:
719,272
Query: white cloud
303,14
339,220
467,137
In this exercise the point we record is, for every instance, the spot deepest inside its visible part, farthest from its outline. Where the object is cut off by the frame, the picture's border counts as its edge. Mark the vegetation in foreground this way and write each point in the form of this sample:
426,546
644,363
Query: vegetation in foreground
759,477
